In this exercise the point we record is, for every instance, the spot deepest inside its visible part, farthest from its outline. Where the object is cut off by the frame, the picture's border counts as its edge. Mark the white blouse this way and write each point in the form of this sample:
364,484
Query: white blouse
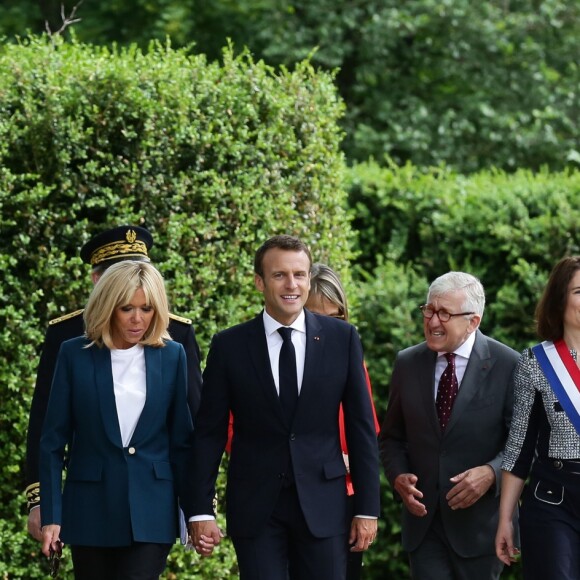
129,381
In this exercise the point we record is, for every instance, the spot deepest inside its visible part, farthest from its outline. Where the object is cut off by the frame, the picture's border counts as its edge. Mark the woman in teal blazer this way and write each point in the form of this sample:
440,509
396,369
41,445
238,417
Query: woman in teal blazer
118,412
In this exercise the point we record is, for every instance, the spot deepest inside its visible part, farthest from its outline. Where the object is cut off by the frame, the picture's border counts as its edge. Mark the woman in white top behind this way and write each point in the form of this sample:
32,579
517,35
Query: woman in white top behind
118,413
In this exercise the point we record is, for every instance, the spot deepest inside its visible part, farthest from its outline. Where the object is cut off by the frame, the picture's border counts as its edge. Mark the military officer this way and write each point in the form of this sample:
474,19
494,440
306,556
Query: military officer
122,243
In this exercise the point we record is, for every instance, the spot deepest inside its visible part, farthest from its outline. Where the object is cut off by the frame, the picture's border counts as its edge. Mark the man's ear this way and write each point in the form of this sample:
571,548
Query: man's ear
259,282
474,323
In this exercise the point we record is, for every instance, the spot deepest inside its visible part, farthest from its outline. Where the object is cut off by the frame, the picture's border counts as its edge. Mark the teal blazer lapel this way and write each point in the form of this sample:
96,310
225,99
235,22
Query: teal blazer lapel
103,373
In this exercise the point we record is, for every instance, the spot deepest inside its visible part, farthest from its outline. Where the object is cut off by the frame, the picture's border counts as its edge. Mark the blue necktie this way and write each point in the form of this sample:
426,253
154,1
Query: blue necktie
287,374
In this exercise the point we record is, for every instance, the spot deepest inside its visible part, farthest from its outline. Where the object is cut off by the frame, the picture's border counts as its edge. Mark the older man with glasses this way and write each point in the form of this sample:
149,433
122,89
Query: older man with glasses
443,437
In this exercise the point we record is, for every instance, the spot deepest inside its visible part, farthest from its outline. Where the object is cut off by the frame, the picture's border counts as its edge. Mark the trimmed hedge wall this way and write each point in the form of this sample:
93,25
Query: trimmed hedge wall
414,225
213,159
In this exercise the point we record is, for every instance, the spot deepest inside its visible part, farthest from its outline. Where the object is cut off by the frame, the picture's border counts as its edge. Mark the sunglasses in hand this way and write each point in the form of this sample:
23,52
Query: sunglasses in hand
54,560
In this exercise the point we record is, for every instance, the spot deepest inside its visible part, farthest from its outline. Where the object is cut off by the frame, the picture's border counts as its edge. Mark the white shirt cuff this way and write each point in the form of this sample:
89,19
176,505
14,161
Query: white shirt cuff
201,518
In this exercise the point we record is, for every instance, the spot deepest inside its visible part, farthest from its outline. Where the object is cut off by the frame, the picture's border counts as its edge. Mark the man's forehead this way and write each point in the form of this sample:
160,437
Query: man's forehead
286,259
451,298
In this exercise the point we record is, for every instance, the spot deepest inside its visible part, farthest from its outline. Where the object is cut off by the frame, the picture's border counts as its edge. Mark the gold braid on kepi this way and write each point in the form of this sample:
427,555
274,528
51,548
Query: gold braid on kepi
32,495
122,243
114,250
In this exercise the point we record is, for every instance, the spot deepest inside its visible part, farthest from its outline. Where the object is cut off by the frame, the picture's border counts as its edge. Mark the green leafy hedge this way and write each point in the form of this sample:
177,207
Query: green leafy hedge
413,225
212,158
470,84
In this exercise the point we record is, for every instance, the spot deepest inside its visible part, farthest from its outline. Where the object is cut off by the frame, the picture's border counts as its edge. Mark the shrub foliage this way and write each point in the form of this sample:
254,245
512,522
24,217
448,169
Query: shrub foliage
212,158
414,225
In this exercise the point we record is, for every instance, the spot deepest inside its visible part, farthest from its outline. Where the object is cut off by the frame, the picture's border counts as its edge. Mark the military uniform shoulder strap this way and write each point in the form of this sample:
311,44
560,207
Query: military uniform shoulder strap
180,319
66,317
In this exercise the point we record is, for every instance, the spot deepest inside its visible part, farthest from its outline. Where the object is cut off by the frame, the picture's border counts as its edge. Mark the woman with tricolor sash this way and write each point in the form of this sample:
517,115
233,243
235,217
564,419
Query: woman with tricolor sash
544,439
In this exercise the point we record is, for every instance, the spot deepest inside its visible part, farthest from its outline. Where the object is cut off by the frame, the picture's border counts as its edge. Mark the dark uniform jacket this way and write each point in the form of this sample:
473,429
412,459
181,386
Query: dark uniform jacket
71,326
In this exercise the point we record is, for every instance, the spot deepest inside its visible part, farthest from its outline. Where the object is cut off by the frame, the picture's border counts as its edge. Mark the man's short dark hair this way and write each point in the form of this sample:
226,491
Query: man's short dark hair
282,242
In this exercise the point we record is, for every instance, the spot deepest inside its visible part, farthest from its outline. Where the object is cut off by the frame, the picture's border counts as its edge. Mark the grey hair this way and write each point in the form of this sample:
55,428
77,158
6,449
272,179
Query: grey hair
453,281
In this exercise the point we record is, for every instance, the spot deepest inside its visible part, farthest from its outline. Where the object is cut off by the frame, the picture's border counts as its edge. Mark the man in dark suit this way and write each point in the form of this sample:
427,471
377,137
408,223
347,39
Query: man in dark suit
122,243
444,432
286,504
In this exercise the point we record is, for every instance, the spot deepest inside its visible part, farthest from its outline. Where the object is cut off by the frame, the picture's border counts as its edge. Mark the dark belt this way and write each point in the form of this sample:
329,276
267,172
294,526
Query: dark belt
566,465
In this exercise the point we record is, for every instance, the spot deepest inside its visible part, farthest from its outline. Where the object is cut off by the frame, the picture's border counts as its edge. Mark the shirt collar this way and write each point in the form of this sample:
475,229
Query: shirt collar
271,326
464,350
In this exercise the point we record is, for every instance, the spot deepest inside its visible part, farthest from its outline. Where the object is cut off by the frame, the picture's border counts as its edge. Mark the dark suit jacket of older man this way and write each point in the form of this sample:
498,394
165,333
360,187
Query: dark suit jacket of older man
238,377
411,440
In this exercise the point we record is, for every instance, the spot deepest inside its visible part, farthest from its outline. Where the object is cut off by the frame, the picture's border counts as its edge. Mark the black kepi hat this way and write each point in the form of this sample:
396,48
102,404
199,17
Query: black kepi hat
117,244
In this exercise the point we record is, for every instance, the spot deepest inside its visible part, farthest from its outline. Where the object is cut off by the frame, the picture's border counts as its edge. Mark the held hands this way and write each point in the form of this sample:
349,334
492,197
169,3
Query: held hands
363,532
405,487
470,486
504,543
205,536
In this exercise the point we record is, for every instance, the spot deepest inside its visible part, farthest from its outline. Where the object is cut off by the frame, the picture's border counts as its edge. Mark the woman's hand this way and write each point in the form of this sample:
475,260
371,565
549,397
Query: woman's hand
504,543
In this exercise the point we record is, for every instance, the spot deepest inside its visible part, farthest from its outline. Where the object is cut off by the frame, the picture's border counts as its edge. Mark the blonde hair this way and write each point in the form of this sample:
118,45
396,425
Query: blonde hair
116,287
324,281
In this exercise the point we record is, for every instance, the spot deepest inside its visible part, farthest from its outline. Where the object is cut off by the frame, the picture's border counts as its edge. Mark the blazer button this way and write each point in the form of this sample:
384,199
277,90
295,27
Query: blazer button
558,464
131,450
292,436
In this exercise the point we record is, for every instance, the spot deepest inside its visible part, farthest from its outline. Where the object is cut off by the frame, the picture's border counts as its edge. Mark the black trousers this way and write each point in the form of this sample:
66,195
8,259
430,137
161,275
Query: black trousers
139,561
286,549
550,525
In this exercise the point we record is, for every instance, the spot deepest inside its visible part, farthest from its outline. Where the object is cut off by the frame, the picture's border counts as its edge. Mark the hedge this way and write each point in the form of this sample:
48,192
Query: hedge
212,158
415,224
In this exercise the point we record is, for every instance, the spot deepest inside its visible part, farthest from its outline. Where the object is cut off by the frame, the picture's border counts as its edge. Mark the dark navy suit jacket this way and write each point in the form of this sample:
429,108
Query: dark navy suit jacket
114,494
238,377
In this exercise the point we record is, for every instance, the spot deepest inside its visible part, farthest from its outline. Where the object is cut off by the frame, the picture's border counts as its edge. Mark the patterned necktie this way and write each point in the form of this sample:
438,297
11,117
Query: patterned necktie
447,391
287,374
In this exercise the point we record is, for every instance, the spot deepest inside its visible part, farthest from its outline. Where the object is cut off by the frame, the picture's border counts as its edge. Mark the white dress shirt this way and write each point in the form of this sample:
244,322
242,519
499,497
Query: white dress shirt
275,341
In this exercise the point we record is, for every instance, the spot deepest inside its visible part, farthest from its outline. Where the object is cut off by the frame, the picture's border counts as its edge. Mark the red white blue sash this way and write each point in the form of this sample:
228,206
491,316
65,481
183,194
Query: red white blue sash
563,374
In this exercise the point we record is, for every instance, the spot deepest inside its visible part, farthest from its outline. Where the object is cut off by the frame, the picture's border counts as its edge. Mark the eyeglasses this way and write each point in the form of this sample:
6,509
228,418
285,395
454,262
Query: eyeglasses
54,561
444,316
